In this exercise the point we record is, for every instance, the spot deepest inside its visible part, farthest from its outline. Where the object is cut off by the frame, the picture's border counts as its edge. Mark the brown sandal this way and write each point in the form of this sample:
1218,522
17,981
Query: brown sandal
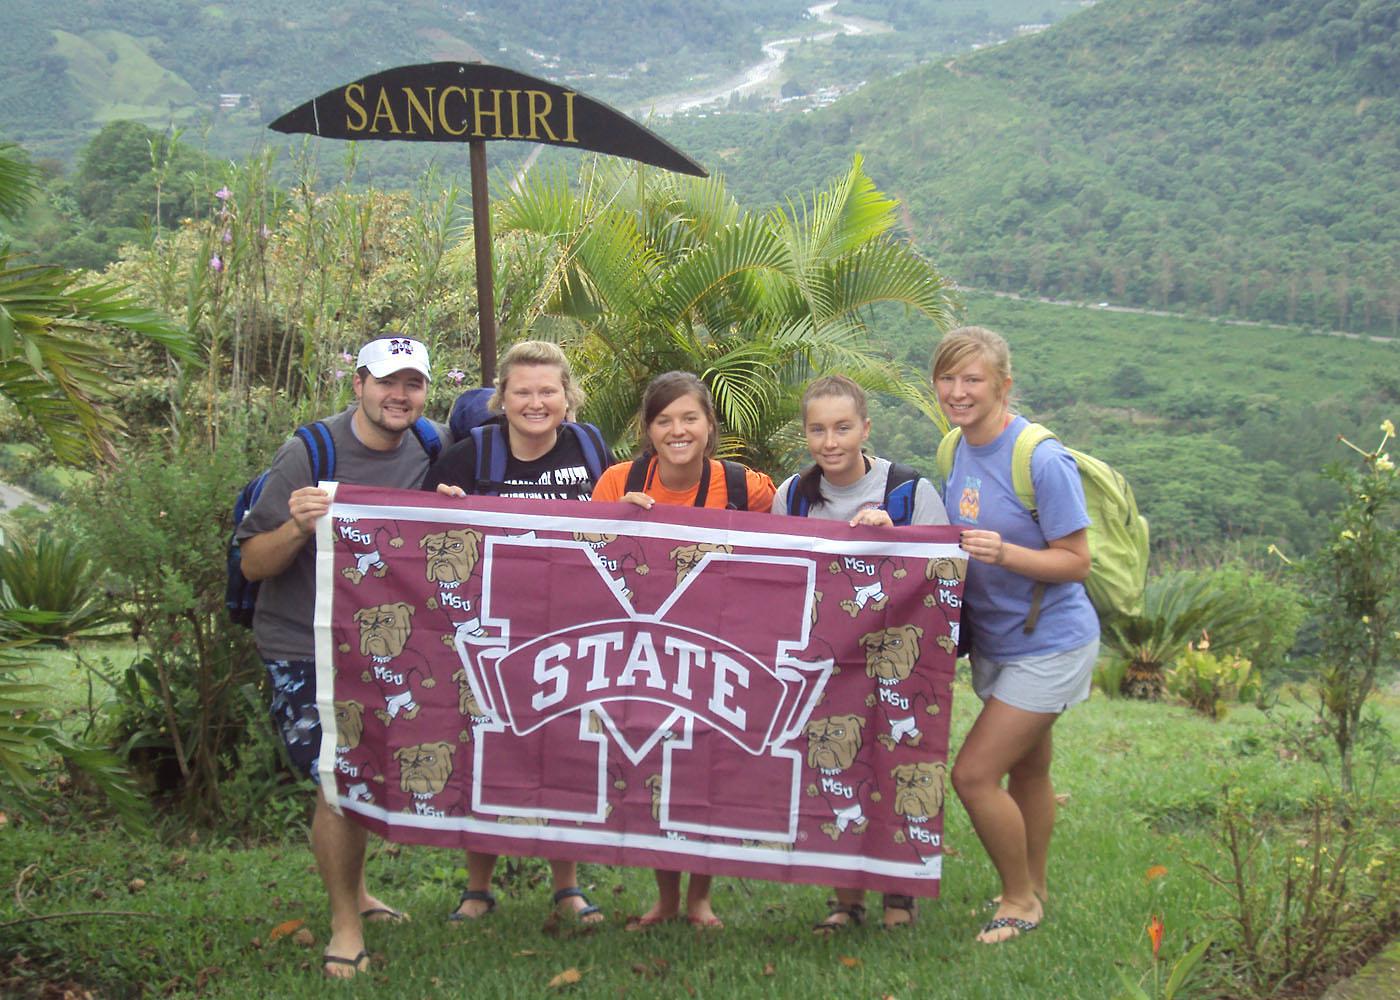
853,912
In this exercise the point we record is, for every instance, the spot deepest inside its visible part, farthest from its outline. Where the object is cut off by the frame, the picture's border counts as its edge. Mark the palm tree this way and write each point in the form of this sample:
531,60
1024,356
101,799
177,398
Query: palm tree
638,271
55,369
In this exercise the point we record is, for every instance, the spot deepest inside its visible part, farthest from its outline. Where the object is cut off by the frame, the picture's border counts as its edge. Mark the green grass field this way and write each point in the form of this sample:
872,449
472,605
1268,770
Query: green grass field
1142,783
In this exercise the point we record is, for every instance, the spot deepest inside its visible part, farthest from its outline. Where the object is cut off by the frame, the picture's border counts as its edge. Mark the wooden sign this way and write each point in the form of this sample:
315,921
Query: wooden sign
475,102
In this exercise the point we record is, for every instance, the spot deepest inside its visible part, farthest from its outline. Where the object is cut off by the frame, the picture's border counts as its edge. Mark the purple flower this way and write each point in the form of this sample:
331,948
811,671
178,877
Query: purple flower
456,376
223,194
227,237
347,357
216,263
339,373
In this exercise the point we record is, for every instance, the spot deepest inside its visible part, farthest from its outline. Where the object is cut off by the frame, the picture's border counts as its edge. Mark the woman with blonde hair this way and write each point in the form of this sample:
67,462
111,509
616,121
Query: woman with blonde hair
532,450
1034,635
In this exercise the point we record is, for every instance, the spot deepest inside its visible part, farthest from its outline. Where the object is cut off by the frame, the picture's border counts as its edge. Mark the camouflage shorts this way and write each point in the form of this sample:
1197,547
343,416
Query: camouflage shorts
294,712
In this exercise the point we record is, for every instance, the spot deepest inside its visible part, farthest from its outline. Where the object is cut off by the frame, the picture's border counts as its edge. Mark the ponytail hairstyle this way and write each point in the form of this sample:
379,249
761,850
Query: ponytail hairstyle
809,484
664,390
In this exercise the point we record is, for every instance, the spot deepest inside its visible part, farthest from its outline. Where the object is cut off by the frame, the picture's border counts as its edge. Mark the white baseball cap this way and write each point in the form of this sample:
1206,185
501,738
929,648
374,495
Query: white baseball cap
387,355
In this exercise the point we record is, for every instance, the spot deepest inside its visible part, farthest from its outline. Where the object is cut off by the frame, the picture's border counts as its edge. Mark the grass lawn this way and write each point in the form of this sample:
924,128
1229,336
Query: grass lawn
1142,783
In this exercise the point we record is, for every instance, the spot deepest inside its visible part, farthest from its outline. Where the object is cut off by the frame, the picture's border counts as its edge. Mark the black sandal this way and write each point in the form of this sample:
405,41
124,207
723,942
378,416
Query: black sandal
473,896
853,912
894,901
587,910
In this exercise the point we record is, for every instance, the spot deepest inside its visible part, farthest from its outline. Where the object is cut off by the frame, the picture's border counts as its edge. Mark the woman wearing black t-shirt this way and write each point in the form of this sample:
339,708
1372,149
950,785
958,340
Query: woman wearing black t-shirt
535,394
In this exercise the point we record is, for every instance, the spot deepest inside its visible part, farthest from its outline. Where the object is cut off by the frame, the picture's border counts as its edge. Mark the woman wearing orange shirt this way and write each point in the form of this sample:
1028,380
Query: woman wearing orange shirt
681,432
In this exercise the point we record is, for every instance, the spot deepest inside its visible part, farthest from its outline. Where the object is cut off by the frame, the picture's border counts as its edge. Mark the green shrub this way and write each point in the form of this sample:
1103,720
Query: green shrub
1207,682
160,525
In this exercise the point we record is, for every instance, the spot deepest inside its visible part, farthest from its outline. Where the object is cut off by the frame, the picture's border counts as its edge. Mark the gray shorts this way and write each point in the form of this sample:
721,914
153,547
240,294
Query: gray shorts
1049,683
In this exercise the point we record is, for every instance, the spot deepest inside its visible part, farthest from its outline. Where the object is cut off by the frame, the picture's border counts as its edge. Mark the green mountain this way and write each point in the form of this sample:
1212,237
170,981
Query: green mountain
1237,159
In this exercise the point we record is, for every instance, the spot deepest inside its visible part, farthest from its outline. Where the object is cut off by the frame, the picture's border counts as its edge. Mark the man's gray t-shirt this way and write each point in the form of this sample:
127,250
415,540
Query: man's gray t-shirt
284,618
845,502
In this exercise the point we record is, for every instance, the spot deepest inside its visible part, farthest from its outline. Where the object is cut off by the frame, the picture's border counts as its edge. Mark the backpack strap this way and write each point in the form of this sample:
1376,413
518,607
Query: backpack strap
490,459
320,449
943,461
427,436
797,504
637,475
900,483
1031,436
736,485
596,456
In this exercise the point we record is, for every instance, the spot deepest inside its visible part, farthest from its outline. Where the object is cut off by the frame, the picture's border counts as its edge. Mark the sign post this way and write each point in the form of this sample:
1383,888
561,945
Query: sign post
477,103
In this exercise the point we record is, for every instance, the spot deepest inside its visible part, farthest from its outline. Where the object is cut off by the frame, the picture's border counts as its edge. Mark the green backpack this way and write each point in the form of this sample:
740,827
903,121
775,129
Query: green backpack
1117,536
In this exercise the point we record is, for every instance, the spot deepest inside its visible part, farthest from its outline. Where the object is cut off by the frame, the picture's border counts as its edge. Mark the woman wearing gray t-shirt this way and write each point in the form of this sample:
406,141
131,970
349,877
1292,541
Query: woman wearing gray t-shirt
845,484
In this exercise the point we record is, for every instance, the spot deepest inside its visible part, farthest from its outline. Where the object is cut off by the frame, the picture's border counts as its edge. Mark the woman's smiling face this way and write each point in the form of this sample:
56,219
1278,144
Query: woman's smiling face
680,433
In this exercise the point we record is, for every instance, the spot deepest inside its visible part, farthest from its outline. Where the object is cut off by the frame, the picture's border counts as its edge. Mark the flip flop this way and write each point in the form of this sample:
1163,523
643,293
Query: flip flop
587,910
473,896
383,915
1015,923
360,963
706,923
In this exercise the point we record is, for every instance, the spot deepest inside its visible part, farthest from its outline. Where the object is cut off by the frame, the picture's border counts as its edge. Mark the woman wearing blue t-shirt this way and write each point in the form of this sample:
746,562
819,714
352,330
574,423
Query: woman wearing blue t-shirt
1025,676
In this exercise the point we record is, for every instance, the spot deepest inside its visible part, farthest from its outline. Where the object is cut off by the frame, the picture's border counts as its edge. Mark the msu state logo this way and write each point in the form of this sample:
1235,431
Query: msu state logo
672,687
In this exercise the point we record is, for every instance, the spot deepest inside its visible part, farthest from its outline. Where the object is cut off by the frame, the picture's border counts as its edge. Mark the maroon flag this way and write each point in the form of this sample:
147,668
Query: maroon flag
708,691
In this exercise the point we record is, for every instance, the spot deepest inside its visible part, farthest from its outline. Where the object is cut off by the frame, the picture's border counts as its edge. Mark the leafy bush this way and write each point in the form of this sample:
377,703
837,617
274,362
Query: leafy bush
1207,682
1301,897
160,525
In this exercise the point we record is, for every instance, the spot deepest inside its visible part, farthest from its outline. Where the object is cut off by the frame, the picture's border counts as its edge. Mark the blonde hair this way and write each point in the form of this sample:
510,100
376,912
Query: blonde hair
966,344
537,352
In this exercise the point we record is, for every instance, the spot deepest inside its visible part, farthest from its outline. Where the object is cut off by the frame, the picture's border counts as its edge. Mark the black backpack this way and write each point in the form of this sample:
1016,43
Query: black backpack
240,593
900,483
736,486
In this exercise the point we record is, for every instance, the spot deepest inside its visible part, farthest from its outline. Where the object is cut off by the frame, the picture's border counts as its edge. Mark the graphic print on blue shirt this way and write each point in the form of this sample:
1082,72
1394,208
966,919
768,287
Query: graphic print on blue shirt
970,502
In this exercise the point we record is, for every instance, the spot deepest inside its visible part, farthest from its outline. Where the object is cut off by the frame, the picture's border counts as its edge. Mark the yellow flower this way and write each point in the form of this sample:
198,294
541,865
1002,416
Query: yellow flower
1384,463
1348,535
1388,428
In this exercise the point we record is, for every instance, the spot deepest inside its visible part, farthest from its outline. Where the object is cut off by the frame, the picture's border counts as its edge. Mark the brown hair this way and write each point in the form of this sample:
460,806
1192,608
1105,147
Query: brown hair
537,352
664,390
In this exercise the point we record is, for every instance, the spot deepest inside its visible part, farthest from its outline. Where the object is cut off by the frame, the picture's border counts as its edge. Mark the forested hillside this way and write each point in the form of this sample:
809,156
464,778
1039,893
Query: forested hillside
1234,158
155,61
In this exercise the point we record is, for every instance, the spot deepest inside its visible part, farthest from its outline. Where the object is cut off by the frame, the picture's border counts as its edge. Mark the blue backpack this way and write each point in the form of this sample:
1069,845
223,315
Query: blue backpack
900,483
240,593
492,452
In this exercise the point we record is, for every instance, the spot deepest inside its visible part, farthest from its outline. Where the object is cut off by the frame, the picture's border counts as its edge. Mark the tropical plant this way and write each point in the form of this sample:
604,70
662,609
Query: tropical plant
55,367
1178,608
639,272
49,588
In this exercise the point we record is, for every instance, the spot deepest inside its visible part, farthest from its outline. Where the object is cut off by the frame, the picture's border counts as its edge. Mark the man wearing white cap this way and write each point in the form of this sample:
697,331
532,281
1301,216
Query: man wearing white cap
373,446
